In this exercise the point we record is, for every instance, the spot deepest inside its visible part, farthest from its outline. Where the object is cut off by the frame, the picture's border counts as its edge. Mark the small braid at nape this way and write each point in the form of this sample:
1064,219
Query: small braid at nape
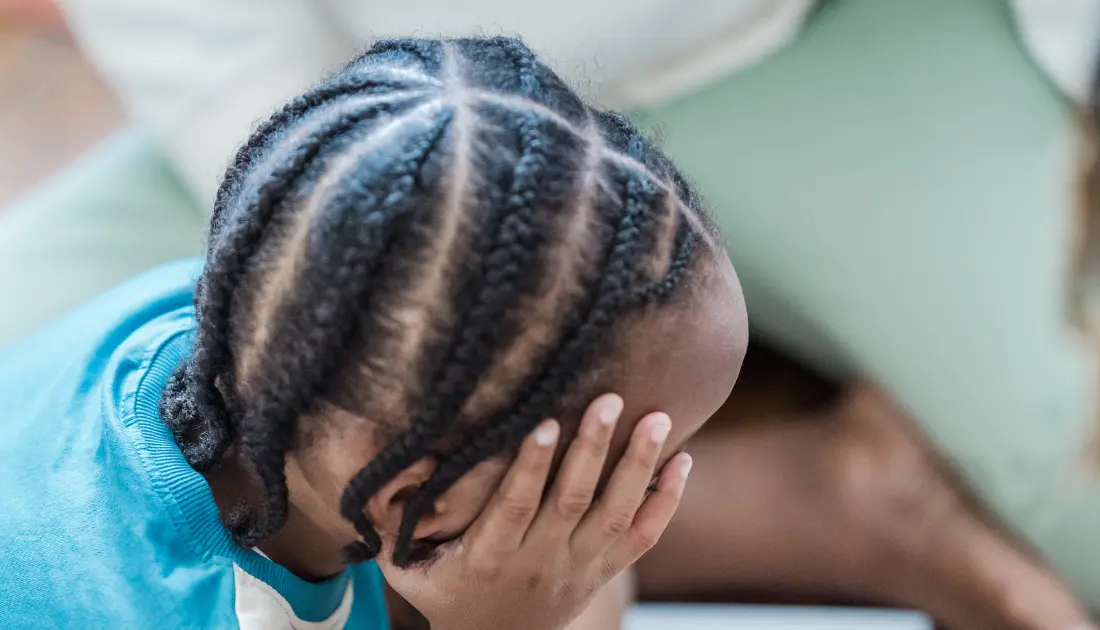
377,244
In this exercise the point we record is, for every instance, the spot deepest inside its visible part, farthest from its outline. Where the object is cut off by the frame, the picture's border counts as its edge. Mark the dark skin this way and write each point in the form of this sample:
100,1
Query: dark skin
805,492
681,358
788,502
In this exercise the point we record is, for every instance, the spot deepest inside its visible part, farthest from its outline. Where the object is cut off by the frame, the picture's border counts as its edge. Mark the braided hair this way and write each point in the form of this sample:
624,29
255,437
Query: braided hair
438,238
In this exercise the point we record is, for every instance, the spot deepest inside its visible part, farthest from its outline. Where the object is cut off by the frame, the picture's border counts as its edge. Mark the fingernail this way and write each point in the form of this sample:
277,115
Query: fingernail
661,427
612,409
685,466
546,434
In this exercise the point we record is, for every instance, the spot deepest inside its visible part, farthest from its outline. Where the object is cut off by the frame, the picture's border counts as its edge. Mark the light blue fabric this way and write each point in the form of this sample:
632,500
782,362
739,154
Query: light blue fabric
102,522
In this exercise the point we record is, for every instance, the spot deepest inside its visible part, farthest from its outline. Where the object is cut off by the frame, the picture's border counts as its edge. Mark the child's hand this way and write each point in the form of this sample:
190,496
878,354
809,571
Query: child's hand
534,564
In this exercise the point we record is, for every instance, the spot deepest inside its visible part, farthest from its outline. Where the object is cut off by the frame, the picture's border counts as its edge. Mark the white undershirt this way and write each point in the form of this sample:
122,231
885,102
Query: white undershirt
260,607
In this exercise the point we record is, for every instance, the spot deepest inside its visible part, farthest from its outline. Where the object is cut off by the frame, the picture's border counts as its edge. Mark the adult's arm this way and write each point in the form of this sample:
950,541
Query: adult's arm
200,73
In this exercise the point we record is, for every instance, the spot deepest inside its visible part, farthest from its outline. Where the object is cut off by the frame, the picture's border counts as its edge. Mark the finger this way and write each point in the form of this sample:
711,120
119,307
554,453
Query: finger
652,518
614,513
572,493
501,527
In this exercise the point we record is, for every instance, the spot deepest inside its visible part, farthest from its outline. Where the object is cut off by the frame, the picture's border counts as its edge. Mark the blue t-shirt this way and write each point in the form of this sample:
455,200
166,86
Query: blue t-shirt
102,522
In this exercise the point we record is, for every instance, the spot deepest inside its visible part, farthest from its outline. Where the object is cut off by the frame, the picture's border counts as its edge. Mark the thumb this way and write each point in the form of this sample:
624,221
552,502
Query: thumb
418,583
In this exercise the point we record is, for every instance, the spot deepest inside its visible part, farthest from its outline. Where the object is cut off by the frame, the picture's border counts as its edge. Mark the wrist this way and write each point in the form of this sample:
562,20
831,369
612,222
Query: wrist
482,626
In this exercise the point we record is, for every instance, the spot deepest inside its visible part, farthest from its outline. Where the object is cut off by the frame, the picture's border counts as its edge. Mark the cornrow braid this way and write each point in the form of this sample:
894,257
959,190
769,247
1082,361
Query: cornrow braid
485,320
507,264
427,52
374,247
526,64
485,316
247,155
198,382
606,302
318,320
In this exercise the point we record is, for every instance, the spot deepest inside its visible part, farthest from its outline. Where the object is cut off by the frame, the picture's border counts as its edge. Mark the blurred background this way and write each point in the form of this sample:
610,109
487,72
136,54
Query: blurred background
908,190
53,105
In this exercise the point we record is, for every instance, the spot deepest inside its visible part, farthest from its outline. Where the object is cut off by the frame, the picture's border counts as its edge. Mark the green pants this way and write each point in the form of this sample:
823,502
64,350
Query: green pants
896,194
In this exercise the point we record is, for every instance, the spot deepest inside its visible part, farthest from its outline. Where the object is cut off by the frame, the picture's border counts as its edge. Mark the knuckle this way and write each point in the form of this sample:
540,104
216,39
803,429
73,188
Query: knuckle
646,540
618,522
517,510
484,568
574,503
608,570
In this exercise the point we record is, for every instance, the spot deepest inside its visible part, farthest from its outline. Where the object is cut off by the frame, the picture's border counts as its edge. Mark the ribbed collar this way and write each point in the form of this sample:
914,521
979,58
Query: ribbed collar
190,501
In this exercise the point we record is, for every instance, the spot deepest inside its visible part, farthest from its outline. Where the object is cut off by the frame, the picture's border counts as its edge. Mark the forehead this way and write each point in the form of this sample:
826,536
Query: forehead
684,358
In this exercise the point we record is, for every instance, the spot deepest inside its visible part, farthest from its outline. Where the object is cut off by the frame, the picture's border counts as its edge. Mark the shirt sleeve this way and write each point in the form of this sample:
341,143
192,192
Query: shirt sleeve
200,73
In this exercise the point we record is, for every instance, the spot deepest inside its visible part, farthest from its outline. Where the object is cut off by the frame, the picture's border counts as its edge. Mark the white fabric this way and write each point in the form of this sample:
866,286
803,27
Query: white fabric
604,44
260,607
720,617
200,73
1063,37
755,33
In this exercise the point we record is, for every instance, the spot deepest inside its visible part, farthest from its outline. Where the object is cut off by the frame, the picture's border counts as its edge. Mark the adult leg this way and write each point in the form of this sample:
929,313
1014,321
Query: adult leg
897,193
117,211
795,499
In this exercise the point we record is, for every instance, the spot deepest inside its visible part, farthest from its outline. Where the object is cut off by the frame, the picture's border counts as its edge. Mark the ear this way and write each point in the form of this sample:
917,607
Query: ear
451,514
387,506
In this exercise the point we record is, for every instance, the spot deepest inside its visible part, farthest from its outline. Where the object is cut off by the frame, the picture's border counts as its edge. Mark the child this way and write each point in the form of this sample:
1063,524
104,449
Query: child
409,268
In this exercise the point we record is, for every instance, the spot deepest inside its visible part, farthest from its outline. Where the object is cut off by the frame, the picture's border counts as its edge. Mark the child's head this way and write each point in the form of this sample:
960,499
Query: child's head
415,263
